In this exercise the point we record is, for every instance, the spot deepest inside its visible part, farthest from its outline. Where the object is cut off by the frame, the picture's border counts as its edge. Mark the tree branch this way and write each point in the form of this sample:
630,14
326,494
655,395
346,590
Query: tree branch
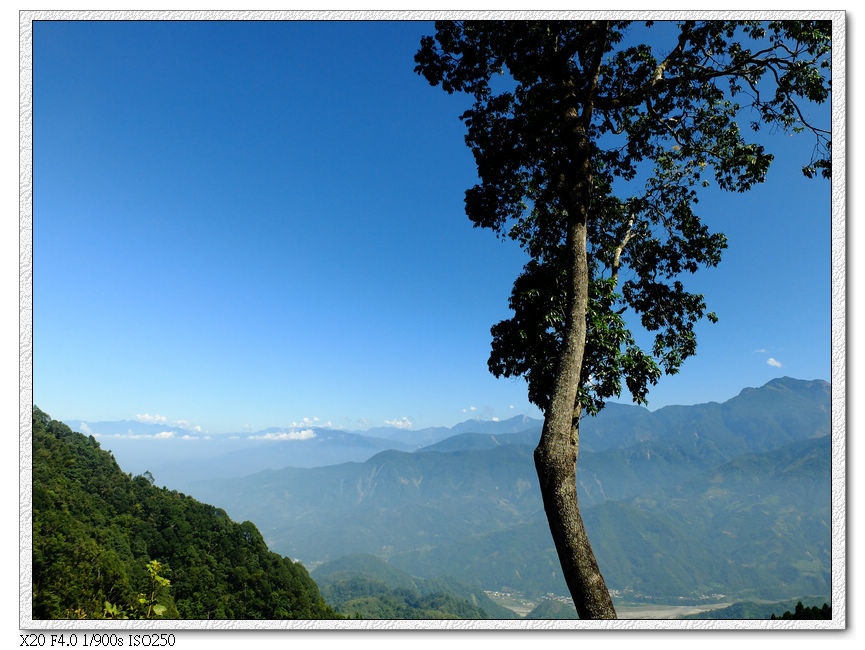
635,97
601,46
617,254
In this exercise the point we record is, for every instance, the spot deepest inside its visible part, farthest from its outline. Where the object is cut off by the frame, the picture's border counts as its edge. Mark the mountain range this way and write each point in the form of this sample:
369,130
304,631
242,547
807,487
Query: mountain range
730,499
682,504
178,456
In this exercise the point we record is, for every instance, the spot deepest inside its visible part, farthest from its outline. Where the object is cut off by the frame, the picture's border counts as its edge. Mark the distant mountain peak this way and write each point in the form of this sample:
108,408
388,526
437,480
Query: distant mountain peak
513,424
788,384
792,381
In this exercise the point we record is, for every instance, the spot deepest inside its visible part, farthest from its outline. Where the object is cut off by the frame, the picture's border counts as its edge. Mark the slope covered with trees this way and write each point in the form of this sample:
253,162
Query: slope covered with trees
762,610
806,613
97,531
366,598
365,586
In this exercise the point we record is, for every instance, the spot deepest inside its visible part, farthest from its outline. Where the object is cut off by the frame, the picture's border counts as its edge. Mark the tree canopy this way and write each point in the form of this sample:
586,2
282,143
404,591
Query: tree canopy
652,126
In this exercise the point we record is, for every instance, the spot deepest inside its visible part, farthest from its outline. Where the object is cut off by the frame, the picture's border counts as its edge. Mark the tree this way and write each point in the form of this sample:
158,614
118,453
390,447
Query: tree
806,613
591,151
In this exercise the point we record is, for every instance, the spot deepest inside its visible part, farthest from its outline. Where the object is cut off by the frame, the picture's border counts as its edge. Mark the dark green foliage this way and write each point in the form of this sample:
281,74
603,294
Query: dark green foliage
807,613
584,121
96,528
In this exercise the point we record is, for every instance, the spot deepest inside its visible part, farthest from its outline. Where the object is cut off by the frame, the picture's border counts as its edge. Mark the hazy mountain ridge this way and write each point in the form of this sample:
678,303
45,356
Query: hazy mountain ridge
761,418
433,495
178,456
478,441
722,533
655,509
431,435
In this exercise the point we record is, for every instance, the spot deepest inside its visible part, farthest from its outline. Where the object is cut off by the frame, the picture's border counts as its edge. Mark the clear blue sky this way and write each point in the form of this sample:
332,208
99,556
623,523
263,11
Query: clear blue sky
252,223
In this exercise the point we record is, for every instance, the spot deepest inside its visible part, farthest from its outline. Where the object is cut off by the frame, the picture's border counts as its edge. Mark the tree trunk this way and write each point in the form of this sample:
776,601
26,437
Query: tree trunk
556,454
556,465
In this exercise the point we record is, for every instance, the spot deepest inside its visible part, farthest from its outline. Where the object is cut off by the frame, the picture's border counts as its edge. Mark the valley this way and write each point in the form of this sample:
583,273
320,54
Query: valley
728,499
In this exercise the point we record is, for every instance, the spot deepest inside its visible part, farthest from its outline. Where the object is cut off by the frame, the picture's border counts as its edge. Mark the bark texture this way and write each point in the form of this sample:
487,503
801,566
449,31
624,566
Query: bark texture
556,454
555,464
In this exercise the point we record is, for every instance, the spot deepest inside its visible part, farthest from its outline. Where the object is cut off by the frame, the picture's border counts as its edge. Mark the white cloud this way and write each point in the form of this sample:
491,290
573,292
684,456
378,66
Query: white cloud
305,434
511,406
163,435
473,408
495,419
85,429
307,422
762,350
399,423
773,362
186,424
153,419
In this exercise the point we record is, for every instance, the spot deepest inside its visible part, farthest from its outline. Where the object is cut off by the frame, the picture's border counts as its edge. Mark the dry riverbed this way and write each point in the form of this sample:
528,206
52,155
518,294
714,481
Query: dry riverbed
522,606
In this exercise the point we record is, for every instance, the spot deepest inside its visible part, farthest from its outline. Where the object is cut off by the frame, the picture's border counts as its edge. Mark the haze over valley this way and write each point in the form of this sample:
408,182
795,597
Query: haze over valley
704,505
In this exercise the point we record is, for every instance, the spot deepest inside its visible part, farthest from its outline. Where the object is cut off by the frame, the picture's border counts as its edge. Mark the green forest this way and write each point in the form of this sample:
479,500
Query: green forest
365,598
110,545
364,586
806,613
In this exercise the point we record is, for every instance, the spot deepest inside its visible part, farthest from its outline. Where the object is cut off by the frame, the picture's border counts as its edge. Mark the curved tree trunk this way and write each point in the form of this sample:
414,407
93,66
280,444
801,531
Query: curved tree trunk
556,464
556,454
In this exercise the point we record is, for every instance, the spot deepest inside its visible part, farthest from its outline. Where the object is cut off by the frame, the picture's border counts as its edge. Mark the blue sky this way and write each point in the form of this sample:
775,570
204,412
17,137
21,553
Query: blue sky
252,223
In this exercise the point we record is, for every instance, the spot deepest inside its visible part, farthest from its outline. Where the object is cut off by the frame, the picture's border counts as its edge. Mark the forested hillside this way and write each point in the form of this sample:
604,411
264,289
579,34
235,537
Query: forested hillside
97,532
750,610
365,586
